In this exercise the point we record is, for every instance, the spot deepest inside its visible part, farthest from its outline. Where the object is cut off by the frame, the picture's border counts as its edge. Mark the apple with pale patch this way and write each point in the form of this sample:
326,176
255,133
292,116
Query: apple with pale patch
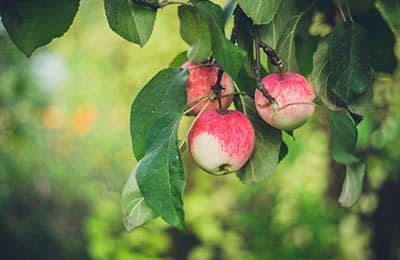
294,96
198,85
221,143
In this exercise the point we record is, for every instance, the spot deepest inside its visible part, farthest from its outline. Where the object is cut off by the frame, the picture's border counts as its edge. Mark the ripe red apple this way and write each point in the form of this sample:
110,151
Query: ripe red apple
221,143
294,95
201,78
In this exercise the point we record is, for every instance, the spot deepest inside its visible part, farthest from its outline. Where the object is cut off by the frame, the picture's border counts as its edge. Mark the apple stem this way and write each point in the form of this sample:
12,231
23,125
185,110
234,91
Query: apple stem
281,76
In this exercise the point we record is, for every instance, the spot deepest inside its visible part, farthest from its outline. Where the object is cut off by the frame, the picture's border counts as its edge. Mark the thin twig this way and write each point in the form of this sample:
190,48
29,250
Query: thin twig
295,104
191,126
157,5
241,94
341,10
349,11
194,104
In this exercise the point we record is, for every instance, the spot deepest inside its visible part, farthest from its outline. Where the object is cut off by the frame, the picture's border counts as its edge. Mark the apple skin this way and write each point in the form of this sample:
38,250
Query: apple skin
221,143
292,89
200,80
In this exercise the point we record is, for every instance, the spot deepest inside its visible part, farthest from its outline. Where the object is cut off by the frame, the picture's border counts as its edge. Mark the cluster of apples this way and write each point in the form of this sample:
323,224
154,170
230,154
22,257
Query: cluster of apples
221,140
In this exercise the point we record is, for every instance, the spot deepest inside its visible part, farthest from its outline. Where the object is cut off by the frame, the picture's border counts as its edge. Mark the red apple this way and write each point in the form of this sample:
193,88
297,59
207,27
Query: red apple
294,95
201,78
221,143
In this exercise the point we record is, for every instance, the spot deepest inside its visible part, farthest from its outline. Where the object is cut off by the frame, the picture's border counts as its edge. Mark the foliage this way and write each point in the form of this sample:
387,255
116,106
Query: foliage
286,216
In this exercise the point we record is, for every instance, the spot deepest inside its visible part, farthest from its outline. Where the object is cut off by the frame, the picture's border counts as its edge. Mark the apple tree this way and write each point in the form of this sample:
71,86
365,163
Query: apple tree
254,70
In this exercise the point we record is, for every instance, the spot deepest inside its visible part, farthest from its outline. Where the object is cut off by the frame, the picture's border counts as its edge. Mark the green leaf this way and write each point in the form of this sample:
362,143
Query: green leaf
32,24
266,154
306,46
131,21
260,11
362,104
135,211
155,117
352,186
228,56
343,137
228,9
286,47
272,32
149,104
245,79
379,34
195,32
390,11
321,74
179,60
351,75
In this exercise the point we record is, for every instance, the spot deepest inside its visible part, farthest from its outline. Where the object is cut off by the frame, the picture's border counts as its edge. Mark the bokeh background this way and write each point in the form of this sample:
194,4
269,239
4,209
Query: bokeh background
65,154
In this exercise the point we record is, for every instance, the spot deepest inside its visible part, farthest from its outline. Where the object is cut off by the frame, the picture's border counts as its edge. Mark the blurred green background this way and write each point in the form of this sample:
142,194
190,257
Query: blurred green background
65,154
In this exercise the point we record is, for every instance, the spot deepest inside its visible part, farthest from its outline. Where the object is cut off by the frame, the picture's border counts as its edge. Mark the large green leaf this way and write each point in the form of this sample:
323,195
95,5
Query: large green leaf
131,21
266,154
195,32
343,137
261,11
272,32
165,87
135,211
351,75
286,47
320,75
155,117
390,11
31,24
245,80
352,186
320,78
306,46
228,56
379,34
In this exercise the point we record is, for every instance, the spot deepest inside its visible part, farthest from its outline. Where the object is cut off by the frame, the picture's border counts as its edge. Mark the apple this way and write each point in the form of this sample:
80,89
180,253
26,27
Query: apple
293,94
221,143
198,85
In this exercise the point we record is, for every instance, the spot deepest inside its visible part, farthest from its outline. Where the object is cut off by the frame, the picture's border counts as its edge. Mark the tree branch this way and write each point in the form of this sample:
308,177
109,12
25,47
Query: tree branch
273,57
260,86
217,87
